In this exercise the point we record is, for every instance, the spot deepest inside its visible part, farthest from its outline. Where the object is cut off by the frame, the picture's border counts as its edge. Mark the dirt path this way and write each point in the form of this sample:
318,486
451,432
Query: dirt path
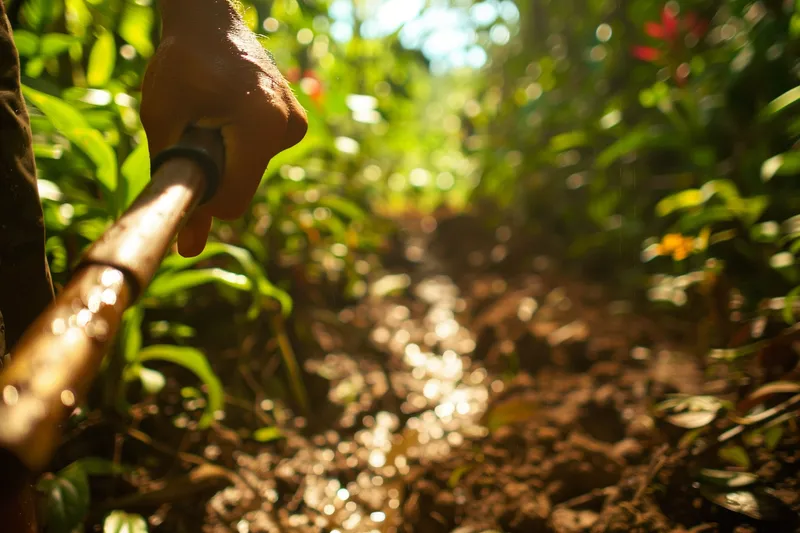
462,400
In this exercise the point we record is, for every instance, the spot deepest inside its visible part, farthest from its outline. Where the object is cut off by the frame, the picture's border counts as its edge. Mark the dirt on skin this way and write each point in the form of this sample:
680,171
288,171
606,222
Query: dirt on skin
476,389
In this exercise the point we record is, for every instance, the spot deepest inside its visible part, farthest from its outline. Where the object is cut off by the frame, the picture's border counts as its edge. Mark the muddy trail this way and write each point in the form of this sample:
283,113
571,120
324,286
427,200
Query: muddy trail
478,389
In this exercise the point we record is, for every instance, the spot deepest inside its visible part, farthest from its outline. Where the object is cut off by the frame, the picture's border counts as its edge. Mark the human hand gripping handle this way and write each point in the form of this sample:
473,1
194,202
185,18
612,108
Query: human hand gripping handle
211,71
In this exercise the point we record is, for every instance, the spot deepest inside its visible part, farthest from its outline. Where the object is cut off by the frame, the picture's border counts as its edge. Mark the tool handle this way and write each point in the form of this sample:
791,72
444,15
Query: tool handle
59,355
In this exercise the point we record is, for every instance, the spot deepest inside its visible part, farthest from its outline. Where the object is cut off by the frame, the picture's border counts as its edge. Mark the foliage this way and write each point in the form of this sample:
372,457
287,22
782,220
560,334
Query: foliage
657,141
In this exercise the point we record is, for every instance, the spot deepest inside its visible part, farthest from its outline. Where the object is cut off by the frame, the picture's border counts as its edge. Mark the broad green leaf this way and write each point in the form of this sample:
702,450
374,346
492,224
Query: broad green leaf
268,434
27,42
169,284
136,27
136,174
55,44
72,125
122,522
102,60
196,362
786,164
66,498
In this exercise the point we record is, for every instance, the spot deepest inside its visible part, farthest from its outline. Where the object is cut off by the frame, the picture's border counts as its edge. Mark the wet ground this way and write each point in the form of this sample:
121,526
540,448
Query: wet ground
480,390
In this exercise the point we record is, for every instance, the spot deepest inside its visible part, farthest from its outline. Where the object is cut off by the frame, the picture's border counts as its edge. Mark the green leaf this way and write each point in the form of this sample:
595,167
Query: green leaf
169,284
268,434
735,455
789,303
122,522
772,437
628,144
343,206
99,466
101,60
136,27
55,44
136,174
27,42
250,267
682,200
786,164
569,140
197,363
784,101
72,125
131,334
66,498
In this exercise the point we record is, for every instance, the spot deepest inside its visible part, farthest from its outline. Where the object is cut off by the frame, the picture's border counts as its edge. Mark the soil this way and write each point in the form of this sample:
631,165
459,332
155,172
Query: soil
475,388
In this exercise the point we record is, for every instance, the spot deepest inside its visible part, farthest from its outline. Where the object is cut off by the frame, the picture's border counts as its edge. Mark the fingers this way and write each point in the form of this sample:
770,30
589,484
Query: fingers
249,146
194,235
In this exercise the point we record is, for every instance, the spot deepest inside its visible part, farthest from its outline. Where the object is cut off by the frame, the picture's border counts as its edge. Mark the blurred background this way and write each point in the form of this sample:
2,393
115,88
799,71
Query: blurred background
648,147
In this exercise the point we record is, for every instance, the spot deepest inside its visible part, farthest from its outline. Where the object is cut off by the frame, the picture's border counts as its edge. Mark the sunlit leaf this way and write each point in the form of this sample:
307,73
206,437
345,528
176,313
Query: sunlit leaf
70,123
196,362
136,27
682,200
268,434
136,173
786,164
252,270
27,42
690,412
781,103
169,284
727,478
54,44
102,60
122,522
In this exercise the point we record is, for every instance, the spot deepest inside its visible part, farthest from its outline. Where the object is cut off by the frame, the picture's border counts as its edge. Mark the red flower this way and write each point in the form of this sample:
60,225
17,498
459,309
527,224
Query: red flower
646,53
671,31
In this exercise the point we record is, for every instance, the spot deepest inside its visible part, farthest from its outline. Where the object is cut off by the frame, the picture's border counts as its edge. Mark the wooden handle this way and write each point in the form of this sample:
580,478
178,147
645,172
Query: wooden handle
57,358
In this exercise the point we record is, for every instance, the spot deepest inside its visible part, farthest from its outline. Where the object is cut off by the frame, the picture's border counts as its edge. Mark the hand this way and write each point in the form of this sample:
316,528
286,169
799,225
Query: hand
211,71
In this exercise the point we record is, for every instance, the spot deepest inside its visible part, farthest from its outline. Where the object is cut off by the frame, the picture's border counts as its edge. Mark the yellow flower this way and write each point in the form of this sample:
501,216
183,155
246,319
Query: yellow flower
671,242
